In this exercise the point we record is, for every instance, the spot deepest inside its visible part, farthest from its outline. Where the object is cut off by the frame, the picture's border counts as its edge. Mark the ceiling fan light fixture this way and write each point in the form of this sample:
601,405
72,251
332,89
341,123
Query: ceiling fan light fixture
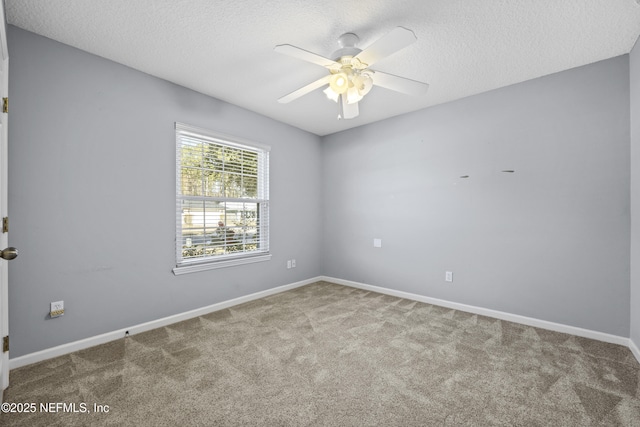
350,78
339,83
363,83
331,94
353,95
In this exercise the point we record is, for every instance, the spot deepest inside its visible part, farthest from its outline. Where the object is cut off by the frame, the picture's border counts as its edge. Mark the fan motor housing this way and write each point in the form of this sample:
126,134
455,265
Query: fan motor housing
347,43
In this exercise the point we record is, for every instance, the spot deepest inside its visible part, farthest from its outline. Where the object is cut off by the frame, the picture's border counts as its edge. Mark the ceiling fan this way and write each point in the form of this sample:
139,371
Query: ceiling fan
350,77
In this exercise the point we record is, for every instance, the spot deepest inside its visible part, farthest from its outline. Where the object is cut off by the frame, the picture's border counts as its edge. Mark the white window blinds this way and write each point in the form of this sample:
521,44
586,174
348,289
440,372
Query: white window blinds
222,198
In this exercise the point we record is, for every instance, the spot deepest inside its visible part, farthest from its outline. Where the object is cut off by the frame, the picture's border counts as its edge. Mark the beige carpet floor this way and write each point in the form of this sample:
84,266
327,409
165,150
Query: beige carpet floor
329,355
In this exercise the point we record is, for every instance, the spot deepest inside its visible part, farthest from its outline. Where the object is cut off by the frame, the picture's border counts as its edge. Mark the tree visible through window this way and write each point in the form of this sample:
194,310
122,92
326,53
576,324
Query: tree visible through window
222,197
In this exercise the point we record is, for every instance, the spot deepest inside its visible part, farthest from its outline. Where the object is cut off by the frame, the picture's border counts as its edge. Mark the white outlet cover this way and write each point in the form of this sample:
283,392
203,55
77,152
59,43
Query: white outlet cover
377,243
57,309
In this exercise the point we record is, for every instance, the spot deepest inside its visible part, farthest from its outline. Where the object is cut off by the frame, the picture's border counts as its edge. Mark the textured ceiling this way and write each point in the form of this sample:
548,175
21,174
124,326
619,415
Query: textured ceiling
225,48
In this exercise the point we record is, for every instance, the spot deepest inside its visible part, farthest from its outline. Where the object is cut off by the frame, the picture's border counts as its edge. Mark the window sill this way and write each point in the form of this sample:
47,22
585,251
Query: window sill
194,268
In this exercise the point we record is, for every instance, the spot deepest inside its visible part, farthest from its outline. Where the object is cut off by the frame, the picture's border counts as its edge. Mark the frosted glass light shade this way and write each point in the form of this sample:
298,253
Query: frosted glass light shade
363,83
339,83
353,96
331,94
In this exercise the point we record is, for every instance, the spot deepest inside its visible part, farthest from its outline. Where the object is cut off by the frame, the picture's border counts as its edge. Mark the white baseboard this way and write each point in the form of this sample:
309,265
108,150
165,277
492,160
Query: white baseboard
143,327
529,321
634,349
60,350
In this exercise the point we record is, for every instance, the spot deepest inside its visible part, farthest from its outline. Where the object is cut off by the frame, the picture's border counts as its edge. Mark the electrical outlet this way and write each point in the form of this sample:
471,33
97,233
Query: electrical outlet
377,243
288,263
57,309
448,276
293,263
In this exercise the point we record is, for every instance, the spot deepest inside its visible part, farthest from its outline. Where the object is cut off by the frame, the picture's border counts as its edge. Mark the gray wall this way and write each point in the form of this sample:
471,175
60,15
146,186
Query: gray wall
92,196
550,241
634,62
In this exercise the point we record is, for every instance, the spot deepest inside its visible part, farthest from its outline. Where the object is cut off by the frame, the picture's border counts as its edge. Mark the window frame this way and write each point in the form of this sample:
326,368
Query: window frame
227,260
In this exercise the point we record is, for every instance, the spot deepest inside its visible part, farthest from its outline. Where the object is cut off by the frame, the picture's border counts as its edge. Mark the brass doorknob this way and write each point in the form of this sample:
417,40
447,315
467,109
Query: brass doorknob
9,253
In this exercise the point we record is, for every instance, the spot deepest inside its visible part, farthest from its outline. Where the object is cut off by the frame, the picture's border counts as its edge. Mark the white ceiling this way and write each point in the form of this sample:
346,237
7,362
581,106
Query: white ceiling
225,48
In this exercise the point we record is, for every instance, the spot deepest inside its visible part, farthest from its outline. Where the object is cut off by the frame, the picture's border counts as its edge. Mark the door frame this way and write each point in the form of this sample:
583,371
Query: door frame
4,238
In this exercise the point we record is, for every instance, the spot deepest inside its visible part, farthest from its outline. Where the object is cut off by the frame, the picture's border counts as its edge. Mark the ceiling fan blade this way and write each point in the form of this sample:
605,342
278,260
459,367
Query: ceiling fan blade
347,111
392,42
305,90
399,84
305,55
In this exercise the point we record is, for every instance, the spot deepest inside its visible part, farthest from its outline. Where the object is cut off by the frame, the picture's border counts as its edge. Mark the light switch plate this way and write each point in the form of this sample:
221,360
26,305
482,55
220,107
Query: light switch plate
377,243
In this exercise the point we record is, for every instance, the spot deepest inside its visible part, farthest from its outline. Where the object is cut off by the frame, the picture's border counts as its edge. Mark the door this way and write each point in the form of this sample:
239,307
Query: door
4,235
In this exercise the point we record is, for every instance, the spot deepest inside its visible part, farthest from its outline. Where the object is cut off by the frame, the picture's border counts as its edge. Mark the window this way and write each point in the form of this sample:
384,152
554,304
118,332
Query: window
222,200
